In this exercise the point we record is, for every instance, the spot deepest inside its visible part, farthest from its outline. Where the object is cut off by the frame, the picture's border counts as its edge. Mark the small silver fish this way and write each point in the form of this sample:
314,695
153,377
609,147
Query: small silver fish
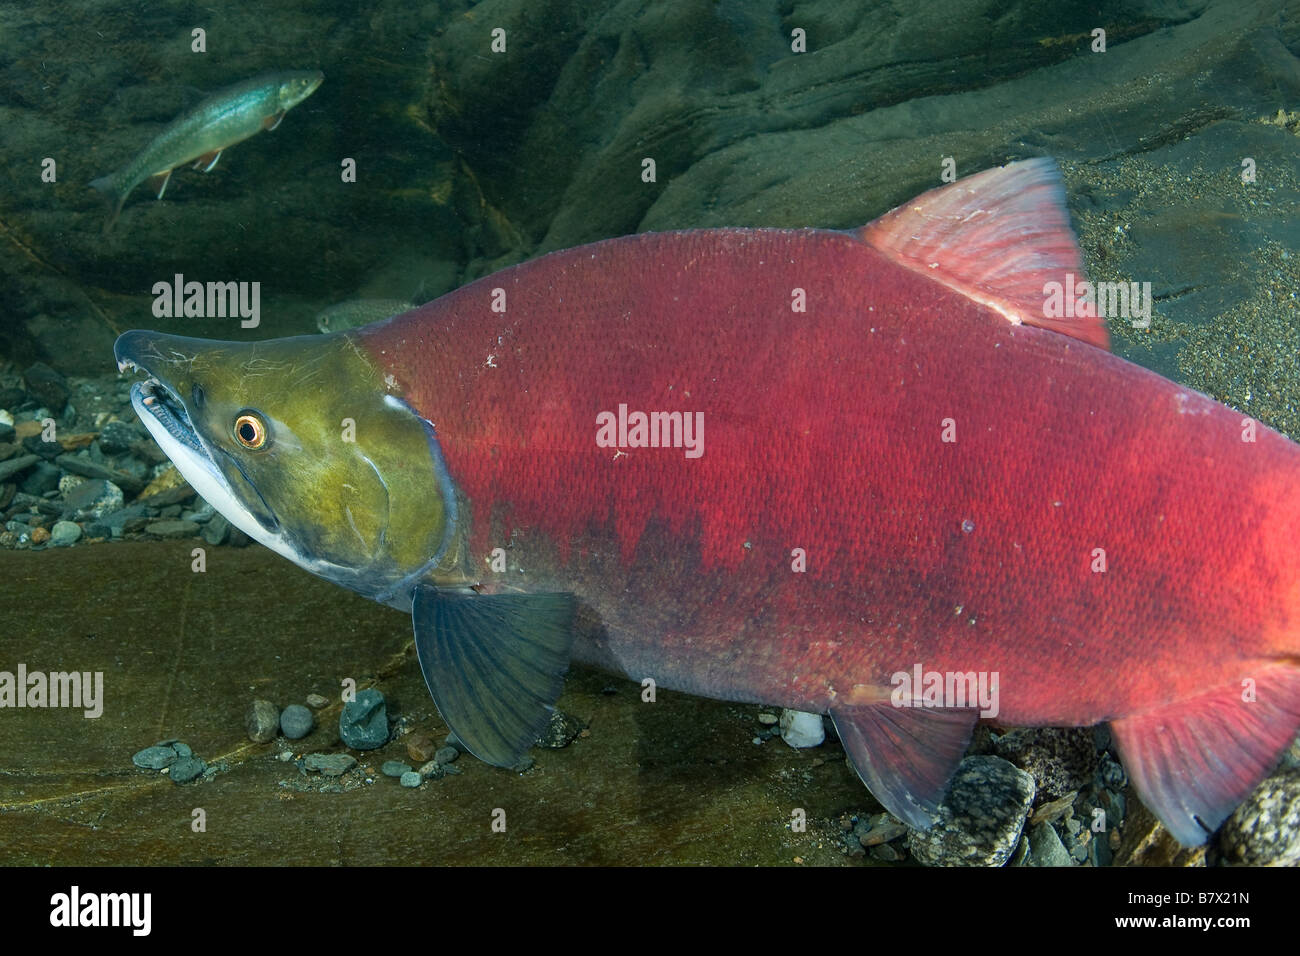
358,312
200,136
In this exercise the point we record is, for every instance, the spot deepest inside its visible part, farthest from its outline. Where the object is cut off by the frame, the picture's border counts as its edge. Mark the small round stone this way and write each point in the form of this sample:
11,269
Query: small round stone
411,779
186,769
316,701
155,758
446,755
296,721
421,748
64,533
182,750
394,768
261,720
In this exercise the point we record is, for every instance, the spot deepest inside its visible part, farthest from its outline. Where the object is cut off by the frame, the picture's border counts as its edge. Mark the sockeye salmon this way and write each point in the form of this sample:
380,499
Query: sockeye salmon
200,135
785,467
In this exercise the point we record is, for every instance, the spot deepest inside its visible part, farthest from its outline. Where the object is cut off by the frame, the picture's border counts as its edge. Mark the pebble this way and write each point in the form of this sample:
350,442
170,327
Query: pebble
883,832
296,721
42,478
1265,830
331,765
89,469
69,482
116,438
186,769
561,731
886,853
316,701
47,386
433,769
363,724
981,817
216,531
768,720
801,730
93,498
40,535
411,779
261,720
64,533
14,465
446,755
394,768
421,747
1060,759
1046,848
172,528
157,757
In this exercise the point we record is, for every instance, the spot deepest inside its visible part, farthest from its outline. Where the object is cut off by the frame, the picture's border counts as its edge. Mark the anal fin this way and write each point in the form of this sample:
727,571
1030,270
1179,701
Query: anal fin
494,664
158,182
905,755
1192,762
208,161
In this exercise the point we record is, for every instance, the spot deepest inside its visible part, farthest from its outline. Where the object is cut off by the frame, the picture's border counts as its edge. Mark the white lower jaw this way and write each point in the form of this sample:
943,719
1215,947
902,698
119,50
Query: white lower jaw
211,485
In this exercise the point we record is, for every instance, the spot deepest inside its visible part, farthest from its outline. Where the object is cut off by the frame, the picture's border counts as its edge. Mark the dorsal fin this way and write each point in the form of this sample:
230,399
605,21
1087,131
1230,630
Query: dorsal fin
998,237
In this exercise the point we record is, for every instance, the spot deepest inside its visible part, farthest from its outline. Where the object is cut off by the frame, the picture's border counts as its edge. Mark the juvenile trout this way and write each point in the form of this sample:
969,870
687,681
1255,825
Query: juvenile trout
202,134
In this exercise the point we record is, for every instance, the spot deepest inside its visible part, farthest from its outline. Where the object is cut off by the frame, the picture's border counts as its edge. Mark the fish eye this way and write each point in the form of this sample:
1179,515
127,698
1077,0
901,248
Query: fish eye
250,430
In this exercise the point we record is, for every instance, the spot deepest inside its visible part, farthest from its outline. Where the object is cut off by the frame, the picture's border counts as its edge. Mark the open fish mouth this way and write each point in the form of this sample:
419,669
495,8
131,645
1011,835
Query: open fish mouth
155,399
166,416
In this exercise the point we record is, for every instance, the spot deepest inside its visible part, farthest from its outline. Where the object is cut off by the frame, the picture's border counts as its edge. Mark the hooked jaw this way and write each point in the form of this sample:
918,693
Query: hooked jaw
167,417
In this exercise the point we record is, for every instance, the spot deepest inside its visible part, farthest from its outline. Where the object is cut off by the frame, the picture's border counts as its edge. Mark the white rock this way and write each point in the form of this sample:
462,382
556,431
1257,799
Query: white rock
800,730
5,418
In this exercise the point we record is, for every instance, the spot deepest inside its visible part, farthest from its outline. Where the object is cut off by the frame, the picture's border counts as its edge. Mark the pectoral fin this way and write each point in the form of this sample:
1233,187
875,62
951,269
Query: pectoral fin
905,755
272,121
208,161
158,182
494,664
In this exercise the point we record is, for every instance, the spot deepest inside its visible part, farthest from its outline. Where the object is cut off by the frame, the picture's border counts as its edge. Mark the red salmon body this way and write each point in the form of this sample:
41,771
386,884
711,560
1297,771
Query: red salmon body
863,466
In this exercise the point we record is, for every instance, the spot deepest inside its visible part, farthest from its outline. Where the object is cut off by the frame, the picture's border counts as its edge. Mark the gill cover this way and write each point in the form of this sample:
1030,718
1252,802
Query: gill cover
301,443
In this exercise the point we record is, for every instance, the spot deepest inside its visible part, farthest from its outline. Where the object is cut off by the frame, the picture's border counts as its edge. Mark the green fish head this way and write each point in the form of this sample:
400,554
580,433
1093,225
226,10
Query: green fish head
297,86
303,445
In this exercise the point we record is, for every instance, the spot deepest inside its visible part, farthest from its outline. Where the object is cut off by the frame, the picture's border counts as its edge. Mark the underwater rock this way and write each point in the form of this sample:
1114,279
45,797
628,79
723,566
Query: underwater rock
296,721
363,725
981,817
316,701
186,769
47,386
216,531
562,731
172,528
421,748
41,478
116,438
446,755
1060,759
331,765
800,730
261,721
93,498
394,768
157,757
15,465
1265,830
1046,848
411,779
64,533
